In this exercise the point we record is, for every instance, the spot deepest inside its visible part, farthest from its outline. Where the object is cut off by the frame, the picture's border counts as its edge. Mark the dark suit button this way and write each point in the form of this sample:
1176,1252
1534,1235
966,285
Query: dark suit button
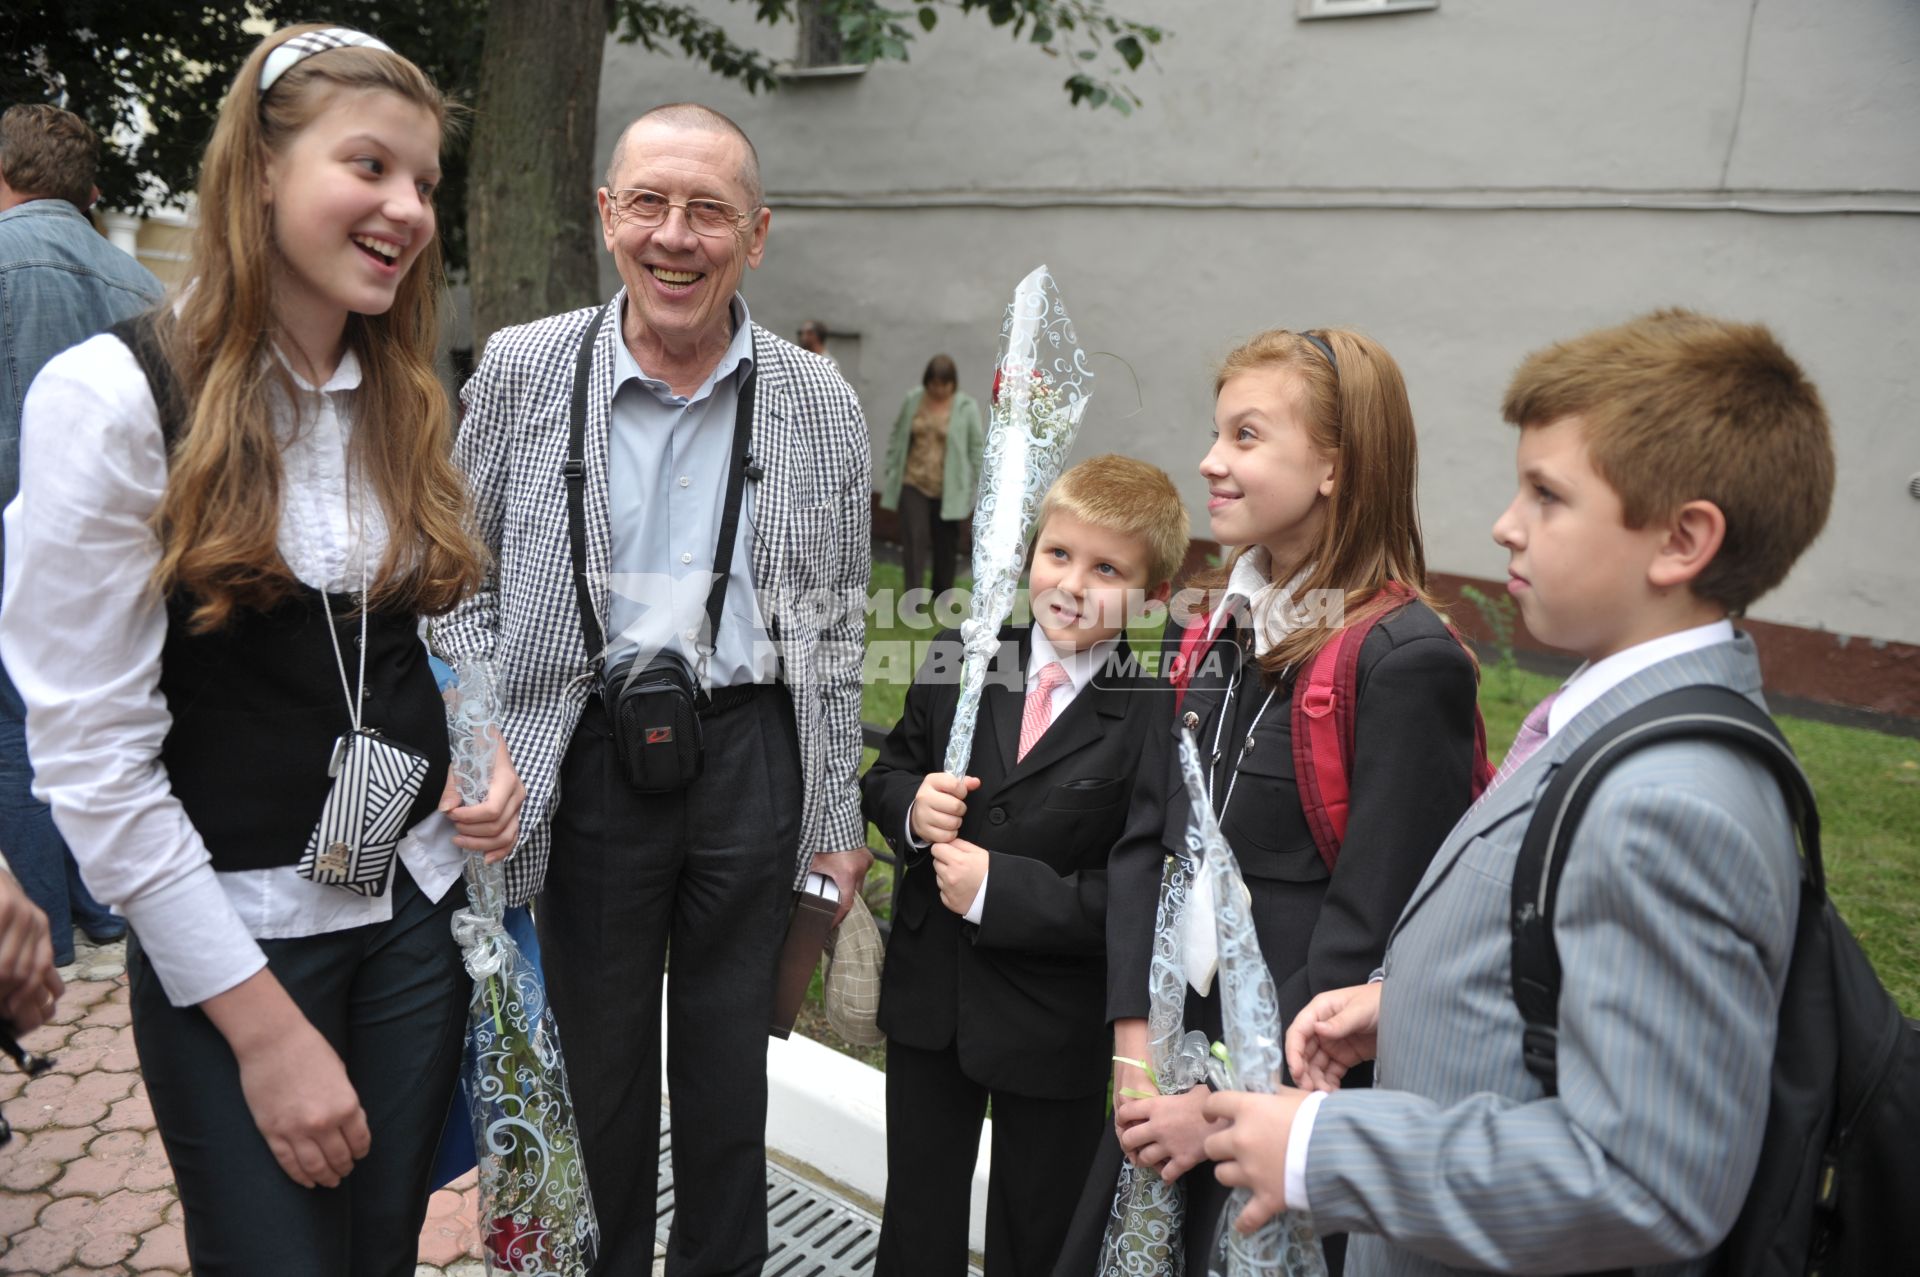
997,816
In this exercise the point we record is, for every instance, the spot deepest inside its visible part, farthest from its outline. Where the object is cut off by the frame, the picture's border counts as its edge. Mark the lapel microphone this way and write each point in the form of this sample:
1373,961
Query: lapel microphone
754,472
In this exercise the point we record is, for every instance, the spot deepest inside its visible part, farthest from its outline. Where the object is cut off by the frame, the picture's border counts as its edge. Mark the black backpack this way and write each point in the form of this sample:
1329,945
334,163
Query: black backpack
1837,1190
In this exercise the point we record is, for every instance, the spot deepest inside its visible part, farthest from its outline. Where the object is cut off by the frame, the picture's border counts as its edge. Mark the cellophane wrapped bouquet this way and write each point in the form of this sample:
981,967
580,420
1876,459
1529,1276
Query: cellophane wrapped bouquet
1253,1055
1144,1224
1041,385
536,1215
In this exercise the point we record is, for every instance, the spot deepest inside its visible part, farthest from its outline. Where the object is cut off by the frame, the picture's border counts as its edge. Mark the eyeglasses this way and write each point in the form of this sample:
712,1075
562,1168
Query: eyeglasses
711,218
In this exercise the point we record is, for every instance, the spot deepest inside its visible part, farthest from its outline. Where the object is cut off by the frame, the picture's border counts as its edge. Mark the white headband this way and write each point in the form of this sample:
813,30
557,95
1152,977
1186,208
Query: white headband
285,56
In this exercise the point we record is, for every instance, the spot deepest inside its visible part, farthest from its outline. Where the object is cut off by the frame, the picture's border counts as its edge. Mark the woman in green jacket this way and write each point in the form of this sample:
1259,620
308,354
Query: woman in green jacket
932,465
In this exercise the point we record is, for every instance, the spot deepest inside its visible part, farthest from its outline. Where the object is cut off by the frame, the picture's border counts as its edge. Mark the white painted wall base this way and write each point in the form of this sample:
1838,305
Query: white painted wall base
829,1111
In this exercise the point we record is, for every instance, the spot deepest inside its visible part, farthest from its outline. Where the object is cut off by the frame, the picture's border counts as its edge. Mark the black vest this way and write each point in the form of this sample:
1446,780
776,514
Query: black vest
257,704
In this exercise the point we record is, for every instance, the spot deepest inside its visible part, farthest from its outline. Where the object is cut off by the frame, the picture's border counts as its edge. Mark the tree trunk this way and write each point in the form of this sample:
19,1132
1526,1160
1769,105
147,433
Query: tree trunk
531,225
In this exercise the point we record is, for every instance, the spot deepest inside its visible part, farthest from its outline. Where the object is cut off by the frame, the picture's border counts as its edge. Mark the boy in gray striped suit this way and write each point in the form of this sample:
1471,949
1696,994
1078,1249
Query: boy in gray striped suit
1671,470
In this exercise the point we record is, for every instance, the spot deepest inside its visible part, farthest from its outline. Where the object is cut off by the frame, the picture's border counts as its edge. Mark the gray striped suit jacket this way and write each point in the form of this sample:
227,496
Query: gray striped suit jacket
809,517
1675,925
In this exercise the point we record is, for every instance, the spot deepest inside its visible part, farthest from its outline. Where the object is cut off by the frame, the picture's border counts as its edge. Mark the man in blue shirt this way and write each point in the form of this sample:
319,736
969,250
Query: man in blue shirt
60,283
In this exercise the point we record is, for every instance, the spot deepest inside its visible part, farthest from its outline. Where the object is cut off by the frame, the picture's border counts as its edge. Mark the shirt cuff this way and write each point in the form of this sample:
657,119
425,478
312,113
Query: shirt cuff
913,842
979,904
194,938
1296,1175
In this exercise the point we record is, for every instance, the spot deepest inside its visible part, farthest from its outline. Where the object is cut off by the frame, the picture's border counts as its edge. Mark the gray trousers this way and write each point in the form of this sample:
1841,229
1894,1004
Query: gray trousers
926,539
702,879
391,998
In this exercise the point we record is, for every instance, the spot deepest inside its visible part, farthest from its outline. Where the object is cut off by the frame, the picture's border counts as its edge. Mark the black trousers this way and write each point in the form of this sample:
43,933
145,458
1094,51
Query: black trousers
926,538
391,998
1041,1151
704,879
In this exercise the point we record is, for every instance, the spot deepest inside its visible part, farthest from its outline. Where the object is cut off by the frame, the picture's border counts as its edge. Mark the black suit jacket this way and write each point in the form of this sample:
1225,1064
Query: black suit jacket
1023,992
1412,779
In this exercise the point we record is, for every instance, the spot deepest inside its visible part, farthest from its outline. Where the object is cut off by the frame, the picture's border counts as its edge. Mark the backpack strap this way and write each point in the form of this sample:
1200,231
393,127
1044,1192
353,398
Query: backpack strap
141,335
1323,706
1703,711
1482,765
1326,701
1195,642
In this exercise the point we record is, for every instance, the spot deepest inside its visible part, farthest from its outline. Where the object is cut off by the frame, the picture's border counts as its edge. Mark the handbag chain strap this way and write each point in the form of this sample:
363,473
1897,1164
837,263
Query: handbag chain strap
355,704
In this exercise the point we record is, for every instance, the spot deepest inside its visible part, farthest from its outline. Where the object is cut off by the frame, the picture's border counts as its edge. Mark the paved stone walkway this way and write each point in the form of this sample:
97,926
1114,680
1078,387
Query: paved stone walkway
85,1189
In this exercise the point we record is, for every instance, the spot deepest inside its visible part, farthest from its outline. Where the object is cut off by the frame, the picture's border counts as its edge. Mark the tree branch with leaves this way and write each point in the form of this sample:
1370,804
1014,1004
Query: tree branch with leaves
515,203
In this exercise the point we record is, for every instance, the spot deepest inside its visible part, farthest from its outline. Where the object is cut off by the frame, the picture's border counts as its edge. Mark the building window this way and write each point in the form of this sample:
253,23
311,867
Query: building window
821,50
1305,9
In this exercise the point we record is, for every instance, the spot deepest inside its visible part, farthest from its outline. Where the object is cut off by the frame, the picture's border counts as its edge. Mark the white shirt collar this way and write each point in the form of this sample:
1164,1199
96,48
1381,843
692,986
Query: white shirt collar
346,374
1590,682
1266,602
1080,666
312,418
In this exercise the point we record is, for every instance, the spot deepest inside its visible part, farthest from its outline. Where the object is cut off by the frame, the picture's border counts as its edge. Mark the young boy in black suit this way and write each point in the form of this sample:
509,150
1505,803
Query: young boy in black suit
994,986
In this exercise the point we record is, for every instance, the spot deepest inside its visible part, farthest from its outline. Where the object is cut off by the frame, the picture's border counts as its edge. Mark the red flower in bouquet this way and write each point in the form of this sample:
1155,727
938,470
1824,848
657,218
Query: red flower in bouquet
517,1245
1037,376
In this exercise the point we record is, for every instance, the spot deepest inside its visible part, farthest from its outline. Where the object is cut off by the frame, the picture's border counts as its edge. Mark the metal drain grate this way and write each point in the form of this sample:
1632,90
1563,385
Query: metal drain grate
811,1231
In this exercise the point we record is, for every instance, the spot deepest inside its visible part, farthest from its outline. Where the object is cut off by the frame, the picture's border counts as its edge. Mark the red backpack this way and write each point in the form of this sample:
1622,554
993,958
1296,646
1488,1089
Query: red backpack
1323,707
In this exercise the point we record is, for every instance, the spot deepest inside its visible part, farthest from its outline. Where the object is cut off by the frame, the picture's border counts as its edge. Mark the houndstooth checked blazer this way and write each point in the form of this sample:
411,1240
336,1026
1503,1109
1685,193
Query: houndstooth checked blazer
812,554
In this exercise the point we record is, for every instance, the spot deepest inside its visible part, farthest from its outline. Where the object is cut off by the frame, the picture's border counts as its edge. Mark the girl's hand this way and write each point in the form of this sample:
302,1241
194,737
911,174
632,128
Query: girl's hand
309,1113
294,1083
939,805
1166,1133
1333,1033
1130,1081
493,826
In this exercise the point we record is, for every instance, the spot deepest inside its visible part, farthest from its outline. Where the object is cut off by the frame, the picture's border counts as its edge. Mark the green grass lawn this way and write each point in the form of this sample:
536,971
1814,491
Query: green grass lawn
1868,784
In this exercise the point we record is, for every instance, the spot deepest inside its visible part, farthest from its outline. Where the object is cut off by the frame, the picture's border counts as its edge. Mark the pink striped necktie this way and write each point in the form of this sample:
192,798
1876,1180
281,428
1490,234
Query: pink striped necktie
1532,735
1039,711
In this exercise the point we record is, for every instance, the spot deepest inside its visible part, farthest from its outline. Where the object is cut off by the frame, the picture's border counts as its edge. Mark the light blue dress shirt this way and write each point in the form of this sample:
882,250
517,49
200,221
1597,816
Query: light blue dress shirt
666,487
60,283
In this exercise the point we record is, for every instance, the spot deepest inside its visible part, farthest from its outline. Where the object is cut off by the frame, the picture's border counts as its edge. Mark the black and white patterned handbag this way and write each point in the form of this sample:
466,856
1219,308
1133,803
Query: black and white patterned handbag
375,781
374,784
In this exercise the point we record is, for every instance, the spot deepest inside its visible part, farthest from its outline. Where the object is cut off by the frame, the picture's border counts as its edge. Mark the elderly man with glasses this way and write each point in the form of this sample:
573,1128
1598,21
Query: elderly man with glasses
677,505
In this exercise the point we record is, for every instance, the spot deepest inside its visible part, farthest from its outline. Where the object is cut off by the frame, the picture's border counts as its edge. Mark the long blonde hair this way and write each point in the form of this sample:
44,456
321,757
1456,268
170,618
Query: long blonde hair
218,521
1358,417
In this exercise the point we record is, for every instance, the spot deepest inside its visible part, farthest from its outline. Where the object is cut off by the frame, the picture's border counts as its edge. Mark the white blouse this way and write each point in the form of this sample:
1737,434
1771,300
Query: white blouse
81,631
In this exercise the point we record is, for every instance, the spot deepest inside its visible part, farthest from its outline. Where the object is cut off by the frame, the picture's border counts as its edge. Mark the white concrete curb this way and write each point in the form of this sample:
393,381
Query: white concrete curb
829,1111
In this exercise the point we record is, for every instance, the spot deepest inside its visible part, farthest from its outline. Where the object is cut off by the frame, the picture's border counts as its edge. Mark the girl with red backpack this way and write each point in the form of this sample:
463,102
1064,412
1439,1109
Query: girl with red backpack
1335,713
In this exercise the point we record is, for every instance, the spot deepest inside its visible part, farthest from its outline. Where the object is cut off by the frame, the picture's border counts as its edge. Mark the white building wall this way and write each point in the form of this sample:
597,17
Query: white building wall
1465,184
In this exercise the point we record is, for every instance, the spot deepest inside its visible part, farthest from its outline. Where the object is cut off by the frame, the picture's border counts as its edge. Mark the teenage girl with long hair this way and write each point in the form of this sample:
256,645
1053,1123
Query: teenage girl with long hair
233,515
1311,479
